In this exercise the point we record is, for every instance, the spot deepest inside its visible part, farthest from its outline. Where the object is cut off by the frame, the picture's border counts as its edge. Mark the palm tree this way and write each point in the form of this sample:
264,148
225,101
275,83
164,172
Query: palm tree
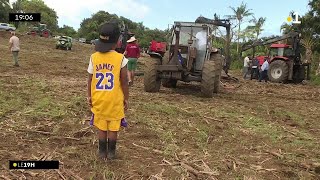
239,14
308,42
257,25
247,34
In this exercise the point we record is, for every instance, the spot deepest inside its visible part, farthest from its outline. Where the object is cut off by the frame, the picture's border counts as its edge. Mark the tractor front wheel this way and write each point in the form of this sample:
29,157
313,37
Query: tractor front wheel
278,71
209,78
152,81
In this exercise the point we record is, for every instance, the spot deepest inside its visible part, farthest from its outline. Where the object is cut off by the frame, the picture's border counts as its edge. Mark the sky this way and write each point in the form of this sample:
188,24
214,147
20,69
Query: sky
161,13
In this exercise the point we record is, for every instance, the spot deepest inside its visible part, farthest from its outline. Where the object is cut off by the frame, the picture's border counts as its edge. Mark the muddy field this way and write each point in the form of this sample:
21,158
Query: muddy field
250,130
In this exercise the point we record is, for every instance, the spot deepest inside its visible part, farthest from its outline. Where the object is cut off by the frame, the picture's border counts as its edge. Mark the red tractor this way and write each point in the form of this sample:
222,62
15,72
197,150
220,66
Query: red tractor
158,47
40,30
284,59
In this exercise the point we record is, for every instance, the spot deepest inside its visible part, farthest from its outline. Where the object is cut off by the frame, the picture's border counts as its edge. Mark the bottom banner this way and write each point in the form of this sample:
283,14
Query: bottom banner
33,164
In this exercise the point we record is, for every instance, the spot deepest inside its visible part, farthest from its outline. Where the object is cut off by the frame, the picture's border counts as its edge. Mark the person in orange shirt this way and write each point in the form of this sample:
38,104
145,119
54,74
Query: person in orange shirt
108,89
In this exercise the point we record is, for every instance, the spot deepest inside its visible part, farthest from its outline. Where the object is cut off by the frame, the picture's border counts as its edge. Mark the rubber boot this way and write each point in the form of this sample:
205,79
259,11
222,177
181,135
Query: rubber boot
111,149
102,148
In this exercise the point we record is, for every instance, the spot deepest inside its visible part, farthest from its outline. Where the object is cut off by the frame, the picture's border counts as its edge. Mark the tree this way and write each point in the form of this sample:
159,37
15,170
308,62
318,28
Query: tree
4,10
240,13
247,34
48,15
257,25
89,28
67,31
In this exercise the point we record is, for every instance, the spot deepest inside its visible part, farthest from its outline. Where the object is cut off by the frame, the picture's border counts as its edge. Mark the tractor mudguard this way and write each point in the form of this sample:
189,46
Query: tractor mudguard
155,55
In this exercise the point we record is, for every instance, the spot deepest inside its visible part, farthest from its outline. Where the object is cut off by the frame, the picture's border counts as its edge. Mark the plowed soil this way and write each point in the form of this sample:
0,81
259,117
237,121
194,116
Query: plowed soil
250,130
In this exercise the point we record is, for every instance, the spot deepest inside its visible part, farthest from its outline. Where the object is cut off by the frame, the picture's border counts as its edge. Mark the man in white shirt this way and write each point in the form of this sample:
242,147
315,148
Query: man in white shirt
264,71
14,47
246,65
201,45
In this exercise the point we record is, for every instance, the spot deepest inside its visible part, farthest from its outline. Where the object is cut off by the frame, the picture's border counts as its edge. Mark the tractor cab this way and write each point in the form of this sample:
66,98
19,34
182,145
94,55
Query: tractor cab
193,50
280,51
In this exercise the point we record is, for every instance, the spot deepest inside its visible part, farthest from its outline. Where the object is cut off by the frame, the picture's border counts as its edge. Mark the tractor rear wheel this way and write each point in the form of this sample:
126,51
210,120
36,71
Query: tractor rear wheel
218,59
278,71
209,78
151,80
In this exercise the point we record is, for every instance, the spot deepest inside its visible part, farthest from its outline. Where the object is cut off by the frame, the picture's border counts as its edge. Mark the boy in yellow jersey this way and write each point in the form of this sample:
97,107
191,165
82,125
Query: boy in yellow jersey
108,88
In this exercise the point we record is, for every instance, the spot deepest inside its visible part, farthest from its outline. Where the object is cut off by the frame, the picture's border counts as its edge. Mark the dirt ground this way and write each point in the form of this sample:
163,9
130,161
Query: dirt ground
250,130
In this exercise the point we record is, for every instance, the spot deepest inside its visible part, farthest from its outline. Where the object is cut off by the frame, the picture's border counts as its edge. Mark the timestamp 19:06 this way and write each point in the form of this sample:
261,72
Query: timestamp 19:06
24,17
16,17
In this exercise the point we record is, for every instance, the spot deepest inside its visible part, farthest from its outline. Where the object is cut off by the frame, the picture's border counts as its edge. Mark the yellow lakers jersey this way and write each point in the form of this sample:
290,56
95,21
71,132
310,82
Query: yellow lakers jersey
106,92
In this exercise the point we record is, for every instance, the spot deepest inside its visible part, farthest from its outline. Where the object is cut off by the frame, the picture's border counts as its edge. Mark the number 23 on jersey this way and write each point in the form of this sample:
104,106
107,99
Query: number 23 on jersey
105,81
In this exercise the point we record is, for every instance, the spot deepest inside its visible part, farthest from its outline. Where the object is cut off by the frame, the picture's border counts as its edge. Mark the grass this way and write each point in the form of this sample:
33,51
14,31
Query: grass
315,80
263,128
162,109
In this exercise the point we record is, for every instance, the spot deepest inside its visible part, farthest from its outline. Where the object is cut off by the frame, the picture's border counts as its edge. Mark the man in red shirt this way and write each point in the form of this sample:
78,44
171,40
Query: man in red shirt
132,53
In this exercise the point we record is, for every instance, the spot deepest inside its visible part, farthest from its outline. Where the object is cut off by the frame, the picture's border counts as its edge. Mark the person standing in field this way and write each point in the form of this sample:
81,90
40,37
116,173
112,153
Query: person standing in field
264,71
246,66
132,53
255,69
14,47
201,45
108,92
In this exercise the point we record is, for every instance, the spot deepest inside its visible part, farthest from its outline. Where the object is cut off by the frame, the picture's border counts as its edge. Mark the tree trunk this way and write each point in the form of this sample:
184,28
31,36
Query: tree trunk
308,55
238,37
318,70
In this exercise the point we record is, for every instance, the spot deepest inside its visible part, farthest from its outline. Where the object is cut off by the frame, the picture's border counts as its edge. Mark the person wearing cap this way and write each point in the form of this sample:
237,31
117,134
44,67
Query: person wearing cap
132,53
107,89
14,47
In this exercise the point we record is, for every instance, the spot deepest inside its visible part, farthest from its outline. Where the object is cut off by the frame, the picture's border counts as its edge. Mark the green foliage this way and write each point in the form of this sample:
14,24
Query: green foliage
67,31
257,25
4,10
89,28
48,15
236,65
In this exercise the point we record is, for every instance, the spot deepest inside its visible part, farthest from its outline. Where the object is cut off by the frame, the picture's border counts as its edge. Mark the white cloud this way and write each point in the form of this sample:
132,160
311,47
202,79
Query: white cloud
72,12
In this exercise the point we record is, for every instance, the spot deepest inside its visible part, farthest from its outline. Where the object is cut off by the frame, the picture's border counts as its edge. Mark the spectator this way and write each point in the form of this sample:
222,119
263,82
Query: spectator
264,71
132,53
246,65
201,45
255,69
108,89
14,47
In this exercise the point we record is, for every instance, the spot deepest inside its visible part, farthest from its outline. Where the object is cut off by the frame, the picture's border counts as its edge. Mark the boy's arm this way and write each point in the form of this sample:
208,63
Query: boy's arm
124,85
89,90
